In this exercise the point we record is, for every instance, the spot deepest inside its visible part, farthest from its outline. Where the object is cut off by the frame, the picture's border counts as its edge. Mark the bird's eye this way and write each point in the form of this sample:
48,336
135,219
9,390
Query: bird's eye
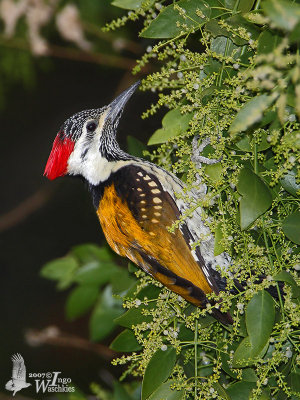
91,126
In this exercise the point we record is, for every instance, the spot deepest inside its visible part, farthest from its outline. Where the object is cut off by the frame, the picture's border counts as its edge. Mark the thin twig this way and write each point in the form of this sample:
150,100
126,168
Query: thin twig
123,43
73,54
25,208
97,58
53,336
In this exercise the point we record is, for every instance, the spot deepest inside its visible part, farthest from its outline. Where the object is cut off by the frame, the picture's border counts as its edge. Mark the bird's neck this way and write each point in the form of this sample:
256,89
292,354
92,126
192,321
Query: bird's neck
98,182
99,165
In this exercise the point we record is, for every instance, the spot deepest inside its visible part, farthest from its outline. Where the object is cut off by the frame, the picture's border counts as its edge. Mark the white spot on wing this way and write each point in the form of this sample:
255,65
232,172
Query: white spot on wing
155,191
152,184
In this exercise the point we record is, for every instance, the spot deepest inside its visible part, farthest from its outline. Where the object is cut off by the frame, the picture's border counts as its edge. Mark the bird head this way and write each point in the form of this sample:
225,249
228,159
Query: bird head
86,142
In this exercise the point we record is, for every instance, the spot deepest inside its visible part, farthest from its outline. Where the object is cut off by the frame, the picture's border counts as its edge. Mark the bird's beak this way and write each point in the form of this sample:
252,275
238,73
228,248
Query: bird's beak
116,107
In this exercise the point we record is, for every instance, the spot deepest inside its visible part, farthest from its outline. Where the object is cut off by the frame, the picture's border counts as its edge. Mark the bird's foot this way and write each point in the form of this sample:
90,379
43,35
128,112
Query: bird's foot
198,148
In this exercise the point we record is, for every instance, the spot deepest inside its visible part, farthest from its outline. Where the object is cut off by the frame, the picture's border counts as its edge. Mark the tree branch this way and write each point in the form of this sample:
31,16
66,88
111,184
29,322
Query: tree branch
25,208
53,336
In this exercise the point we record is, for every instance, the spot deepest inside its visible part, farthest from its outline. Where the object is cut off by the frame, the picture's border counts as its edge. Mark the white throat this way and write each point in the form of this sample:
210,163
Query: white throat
86,159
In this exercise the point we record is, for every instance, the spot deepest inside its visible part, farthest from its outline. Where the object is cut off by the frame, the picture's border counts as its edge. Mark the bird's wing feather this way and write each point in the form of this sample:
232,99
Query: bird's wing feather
19,369
136,213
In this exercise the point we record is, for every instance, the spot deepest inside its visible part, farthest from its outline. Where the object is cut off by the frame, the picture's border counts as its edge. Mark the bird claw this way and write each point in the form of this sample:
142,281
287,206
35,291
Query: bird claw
197,149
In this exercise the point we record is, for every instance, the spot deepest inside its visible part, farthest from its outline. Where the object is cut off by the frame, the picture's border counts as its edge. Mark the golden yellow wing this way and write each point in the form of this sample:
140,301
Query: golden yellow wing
135,213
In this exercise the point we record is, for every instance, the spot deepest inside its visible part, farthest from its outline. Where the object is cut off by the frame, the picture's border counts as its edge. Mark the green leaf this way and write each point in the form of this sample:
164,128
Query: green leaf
135,147
292,139
284,276
121,280
158,370
260,317
225,366
185,334
240,390
90,252
250,113
214,171
295,34
221,391
249,375
61,270
125,342
174,123
132,268
256,197
294,382
206,321
265,395
291,227
102,319
213,66
269,117
219,248
150,291
216,29
289,183
224,45
245,5
134,316
120,392
243,356
95,274
164,392
237,21
283,14
102,322
246,143
165,25
80,300
267,42
108,300
128,4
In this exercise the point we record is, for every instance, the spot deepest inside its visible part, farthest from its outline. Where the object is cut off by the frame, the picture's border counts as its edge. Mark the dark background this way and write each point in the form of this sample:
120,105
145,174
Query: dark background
42,220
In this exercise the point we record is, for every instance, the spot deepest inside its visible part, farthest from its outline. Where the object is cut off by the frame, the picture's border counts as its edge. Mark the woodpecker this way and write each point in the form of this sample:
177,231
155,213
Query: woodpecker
136,203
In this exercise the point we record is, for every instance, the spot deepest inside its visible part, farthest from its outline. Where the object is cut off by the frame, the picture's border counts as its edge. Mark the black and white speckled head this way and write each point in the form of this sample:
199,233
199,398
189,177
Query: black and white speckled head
86,143
73,126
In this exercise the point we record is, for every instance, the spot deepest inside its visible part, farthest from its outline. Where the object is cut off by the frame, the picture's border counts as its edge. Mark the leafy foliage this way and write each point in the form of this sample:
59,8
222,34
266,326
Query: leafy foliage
90,268
228,70
240,87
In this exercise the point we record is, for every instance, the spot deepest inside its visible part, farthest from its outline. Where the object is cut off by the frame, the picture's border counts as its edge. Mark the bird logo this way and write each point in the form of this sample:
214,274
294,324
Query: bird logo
18,380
